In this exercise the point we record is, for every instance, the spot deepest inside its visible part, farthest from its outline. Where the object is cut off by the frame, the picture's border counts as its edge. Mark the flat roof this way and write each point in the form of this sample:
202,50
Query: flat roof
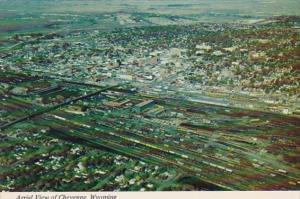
144,103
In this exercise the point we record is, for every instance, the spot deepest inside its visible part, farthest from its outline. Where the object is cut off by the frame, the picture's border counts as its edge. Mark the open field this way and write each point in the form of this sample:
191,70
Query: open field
262,8
39,16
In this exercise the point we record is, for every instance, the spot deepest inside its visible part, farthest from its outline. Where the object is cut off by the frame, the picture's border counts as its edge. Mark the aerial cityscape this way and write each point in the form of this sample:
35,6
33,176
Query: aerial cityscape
138,95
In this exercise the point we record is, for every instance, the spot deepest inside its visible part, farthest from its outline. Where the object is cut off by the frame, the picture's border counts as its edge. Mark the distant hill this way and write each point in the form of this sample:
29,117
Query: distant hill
23,16
242,7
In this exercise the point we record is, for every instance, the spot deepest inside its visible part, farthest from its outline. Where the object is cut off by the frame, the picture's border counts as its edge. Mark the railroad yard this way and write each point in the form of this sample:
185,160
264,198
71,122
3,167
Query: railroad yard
201,106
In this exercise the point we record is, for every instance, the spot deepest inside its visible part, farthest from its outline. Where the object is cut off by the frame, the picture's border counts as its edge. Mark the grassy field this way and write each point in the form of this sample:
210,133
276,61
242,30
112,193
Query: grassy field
47,16
243,7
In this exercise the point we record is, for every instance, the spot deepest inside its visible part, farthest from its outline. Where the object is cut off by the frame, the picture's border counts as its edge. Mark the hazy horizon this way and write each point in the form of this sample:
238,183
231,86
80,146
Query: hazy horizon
23,16
175,7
